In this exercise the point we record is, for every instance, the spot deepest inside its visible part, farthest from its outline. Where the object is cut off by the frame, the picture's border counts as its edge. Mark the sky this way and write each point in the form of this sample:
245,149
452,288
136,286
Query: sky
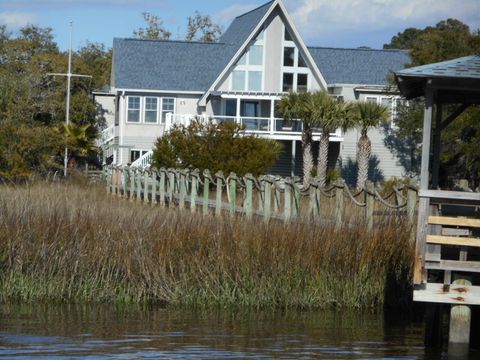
329,23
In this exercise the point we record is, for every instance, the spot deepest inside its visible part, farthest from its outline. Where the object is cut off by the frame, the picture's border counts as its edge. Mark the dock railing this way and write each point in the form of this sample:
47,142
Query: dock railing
269,197
448,247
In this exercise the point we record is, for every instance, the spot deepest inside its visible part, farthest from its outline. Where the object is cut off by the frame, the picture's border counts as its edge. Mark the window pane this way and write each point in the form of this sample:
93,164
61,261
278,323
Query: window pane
151,103
301,62
255,80
134,155
288,37
302,82
231,108
387,102
256,55
133,113
238,80
288,56
287,82
371,99
168,104
150,116
243,59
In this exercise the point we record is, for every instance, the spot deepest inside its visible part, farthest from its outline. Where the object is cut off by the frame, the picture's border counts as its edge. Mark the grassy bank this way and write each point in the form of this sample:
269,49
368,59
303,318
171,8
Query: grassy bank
75,243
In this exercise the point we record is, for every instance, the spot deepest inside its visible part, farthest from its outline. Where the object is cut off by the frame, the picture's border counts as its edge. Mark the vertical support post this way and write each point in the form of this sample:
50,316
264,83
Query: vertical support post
411,203
162,187
145,185
206,192
249,196
218,202
287,201
369,203
460,320
292,164
125,178
267,198
114,173
419,273
296,200
182,184
171,187
339,204
139,186
233,193
193,191
153,174
132,183
437,146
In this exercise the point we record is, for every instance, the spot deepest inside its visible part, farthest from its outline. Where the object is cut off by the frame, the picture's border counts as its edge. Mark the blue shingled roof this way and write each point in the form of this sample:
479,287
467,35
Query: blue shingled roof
358,66
243,25
168,65
464,67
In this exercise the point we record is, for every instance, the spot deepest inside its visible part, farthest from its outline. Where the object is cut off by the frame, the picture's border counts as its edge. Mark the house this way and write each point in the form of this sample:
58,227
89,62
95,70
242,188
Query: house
259,58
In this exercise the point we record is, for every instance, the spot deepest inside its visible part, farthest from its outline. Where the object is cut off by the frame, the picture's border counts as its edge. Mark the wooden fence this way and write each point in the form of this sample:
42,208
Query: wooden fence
266,196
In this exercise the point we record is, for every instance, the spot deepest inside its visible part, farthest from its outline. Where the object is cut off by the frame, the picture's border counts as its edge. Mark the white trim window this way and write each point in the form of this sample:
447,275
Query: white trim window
248,73
168,106
295,73
389,101
134,104
150,113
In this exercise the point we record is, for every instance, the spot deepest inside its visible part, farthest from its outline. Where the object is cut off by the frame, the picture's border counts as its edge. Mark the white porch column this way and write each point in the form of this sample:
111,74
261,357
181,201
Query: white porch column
121,124
292,164
238,110
272,116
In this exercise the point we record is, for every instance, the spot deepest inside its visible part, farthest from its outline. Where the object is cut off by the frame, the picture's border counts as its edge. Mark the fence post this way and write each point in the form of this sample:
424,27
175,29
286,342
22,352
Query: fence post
154,187
369,203
125,181
193,190
107,178
339,203
171,187
296,200
276,197
139,185
182,184
145,185
267,198
206,191
233,193
411,203
218,202
132,183
162,187
287,200
248,196
114,181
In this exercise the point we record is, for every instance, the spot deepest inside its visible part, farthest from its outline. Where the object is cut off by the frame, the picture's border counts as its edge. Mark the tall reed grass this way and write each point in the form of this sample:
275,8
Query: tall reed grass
73,243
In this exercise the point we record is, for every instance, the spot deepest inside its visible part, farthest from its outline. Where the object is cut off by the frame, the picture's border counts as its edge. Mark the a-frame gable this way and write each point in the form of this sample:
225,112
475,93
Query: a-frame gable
278,6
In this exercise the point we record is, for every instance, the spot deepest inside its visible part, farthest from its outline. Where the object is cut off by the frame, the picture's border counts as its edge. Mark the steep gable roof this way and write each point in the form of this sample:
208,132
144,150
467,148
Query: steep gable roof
168,65
243,25
358,66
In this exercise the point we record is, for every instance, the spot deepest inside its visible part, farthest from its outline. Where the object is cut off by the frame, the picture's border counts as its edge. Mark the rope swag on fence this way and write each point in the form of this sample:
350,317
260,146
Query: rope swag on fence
266,196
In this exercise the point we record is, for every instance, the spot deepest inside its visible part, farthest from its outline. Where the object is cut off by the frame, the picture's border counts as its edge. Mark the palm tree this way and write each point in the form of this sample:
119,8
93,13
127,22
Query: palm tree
368,114
330,115
295,106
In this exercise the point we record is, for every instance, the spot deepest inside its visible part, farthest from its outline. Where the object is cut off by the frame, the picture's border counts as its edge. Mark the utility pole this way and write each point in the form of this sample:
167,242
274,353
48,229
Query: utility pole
69,76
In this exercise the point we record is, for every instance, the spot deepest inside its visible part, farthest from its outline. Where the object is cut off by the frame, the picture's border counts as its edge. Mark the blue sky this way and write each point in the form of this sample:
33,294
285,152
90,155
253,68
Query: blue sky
333,23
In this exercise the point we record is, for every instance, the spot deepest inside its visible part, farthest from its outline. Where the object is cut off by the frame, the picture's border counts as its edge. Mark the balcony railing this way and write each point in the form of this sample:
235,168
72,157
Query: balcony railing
260,125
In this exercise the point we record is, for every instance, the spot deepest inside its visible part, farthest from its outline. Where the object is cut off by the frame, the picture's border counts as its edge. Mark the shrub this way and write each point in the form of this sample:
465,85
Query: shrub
217,147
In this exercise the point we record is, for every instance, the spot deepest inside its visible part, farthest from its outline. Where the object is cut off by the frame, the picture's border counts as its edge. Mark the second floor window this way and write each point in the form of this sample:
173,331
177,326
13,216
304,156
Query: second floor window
151,109
168,106
133,112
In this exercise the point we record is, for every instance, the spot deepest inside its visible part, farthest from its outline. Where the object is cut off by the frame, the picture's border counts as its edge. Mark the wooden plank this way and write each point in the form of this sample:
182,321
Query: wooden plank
450,195
455,232
452,240
454,221
454,294
433,252
453,265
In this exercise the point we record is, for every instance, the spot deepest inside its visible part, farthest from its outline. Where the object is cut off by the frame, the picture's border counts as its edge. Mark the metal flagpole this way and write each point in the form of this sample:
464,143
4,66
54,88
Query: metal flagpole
67,106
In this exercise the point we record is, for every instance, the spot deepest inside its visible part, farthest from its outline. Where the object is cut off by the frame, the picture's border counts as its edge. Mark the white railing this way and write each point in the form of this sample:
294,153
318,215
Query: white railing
260,125
144,160
108,134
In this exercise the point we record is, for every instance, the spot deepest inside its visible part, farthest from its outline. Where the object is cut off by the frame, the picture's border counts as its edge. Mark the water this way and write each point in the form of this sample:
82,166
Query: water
130,332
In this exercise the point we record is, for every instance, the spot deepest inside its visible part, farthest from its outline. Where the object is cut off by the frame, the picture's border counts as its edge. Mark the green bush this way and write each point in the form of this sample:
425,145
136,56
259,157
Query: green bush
217,147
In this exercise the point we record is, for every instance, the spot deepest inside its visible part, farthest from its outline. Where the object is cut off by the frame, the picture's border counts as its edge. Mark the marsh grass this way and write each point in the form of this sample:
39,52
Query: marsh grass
73,243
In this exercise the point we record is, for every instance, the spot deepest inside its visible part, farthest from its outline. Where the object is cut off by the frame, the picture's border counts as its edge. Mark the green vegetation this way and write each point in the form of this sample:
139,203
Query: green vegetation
217,147
71,243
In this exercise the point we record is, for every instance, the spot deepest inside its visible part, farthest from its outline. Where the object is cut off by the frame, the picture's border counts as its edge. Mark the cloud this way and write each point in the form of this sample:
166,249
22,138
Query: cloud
317,19
226,16
16,20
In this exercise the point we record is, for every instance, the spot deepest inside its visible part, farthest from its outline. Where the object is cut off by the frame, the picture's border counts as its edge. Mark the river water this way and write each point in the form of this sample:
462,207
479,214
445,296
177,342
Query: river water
133,332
